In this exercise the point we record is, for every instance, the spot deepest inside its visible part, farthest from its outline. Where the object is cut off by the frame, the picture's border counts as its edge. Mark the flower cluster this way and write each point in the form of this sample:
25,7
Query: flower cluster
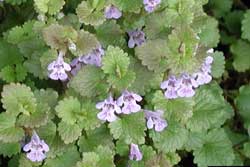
112,12
136,37
186,84
155,120
36,149
58,68
135,153
93,58
151,5
126,104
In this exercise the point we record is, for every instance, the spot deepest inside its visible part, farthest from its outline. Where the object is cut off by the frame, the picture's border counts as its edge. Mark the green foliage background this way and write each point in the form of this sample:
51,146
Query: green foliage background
211,128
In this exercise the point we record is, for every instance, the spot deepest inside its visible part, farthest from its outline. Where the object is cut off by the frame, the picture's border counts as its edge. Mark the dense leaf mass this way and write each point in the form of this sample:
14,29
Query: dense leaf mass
126,83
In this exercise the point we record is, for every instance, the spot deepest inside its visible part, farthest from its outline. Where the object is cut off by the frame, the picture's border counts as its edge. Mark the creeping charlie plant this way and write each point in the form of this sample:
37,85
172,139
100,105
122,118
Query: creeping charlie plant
130,83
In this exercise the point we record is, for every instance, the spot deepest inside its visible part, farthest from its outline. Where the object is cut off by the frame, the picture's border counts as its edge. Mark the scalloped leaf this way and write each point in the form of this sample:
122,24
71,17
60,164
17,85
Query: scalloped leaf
128,5
209,35
89,15
218,66
85,43
18,98
69,132
216,145
240,50
51,7
9,149
180,109
69,109
145,80
36,119
92,139
243,105
49,135
102,156
68,159
88,116
89,159
123,129
171,139
89,82
210,109
115,64
110,33
58,36
8,132
245,26
153,54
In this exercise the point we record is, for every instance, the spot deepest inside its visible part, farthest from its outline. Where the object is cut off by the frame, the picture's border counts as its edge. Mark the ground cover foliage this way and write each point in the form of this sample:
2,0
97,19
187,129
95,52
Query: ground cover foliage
126,83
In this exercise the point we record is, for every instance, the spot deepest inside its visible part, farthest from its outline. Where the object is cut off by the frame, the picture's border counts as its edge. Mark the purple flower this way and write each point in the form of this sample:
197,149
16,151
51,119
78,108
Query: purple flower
94,57
136,37
76,65
155,120
187,85
171,86
112,12
135,153
108,107
150,5
203,76
128,101
58,68
36,149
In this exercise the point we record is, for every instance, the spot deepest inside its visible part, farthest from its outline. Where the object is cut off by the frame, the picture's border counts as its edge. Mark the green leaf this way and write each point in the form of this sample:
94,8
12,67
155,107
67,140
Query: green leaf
85,43
18,34
9,54
245,25
8,132
48,96
209,35
15,2
216,146
89,15
69,132
58,36
241,57
49,6
110,33
25,162
218,66
246,149
106,156
153,54
123,128
88,116
69,110
220,8
68,159
18,98
92,140
145,80
102,156
128,5
89,82
210,109
9,149
115,64
180,109
89,159
243,105
171,139
49,135
155,26
36,119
